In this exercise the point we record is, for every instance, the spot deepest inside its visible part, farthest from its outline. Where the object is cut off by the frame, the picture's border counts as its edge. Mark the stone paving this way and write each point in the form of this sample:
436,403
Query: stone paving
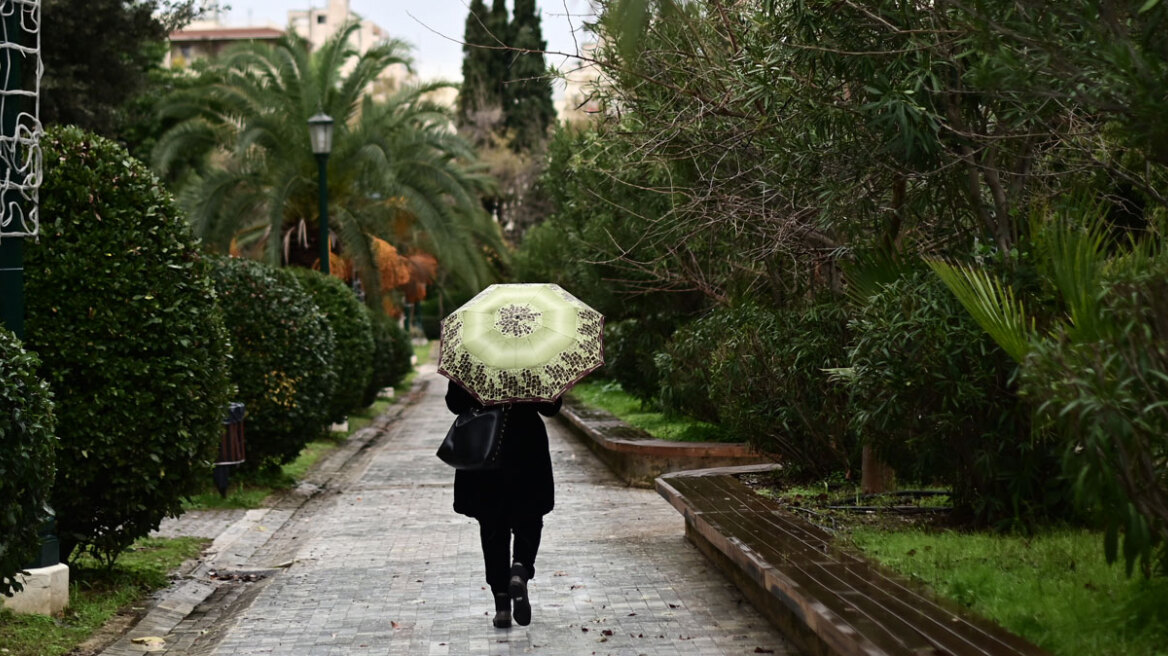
382,565
198,524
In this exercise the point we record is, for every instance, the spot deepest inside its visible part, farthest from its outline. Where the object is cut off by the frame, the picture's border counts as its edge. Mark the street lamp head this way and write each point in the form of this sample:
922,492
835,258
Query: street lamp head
320,133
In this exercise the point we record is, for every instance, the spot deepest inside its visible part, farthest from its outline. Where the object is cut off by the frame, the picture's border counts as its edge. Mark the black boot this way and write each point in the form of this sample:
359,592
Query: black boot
502,611
518,590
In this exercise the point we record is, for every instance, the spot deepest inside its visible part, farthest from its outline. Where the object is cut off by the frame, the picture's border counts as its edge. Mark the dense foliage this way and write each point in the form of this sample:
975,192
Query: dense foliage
26,461
757,155
122,313
1097,369
770,385
89,76
934,396
282,353
353,339
392,356
631,348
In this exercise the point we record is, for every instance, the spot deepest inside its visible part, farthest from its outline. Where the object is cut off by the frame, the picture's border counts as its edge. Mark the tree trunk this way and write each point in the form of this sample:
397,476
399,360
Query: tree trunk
875,475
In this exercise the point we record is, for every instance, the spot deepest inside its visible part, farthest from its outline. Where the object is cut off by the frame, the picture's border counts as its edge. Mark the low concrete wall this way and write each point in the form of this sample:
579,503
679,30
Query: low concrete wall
638,458
46,591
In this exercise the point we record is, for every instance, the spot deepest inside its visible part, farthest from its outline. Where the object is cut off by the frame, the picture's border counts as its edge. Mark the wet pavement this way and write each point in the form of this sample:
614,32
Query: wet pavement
378,563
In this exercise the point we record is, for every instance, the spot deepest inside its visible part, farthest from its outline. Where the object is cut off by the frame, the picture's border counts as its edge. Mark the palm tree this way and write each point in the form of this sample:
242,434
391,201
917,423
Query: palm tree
397,172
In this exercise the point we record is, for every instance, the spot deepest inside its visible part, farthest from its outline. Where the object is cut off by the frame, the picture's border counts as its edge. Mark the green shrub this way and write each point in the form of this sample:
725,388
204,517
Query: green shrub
123,316
933,395
683,365
26,461
1108,398
392,355
630,350
769,384
282,347
353,334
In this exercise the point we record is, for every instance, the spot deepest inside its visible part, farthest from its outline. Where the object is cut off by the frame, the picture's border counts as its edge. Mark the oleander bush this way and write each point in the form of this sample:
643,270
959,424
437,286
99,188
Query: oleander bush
1106,397
770,384
122,313
392,355
353,334
26,461
630,350
935,398
282,352
683,365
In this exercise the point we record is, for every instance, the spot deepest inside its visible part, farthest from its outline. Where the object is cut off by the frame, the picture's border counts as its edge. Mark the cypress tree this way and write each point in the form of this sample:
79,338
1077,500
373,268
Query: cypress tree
500,35
478,88
528,109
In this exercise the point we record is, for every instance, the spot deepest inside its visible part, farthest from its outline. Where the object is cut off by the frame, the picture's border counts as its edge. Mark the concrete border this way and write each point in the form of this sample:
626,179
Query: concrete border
638,458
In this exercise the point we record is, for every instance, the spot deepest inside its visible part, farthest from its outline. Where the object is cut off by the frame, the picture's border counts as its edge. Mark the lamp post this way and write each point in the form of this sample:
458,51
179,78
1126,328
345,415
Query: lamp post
320,133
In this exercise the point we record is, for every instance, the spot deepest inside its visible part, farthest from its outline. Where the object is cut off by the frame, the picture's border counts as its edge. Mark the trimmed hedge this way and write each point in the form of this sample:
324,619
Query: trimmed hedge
282,348
123,316
353,355
392,355
26,461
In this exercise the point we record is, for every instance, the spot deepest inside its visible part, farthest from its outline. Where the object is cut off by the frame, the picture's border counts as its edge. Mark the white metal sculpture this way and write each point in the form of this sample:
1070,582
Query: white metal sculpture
20,153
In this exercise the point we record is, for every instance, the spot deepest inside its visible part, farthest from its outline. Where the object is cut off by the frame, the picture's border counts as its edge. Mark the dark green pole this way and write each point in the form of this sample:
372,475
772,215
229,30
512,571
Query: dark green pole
322,176
12,248
12,252
12,283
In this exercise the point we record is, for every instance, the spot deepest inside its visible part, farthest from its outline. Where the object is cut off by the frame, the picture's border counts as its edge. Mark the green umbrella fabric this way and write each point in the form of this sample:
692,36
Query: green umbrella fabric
521,342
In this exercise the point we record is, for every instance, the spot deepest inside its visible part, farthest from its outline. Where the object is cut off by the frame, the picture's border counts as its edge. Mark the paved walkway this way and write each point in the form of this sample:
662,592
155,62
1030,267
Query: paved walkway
383,566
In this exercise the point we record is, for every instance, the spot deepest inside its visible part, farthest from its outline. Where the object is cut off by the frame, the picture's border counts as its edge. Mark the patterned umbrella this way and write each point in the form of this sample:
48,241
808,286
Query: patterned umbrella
523,342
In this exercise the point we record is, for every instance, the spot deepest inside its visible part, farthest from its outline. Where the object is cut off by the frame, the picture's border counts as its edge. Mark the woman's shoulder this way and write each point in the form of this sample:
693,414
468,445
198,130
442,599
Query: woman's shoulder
458,399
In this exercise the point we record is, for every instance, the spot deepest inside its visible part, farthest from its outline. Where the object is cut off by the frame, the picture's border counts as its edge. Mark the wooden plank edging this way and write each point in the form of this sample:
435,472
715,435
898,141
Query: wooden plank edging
812,624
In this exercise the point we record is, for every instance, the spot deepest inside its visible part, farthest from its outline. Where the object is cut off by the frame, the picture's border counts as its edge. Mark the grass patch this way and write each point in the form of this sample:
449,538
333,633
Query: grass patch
96,595
611,397
423,352
312,454
1054,588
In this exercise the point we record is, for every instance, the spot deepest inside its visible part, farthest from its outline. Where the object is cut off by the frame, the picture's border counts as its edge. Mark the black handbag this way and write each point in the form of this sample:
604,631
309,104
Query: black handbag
475,439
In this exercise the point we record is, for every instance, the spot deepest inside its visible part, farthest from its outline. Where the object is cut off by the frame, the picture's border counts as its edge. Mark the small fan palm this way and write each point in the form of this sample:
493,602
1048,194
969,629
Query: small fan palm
394,161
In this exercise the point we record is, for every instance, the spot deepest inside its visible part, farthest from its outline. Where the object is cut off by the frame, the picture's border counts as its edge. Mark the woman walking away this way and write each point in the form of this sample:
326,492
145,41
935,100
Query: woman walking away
517,346
509,501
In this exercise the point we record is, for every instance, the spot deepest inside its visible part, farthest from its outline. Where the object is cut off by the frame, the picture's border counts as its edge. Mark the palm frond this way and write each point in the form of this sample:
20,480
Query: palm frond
991,304
1072,253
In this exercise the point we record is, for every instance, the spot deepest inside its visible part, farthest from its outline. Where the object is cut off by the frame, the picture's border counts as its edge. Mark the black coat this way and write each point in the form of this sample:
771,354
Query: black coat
523,487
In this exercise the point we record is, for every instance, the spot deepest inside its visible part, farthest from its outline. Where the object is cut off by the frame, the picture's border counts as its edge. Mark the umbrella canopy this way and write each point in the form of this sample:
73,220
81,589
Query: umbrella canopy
521,342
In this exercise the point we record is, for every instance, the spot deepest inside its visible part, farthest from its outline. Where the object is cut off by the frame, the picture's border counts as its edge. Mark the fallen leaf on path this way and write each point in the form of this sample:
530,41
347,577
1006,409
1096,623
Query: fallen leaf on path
150,643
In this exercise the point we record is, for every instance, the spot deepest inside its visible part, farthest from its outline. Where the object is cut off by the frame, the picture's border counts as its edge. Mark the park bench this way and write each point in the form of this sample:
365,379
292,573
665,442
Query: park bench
827,600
